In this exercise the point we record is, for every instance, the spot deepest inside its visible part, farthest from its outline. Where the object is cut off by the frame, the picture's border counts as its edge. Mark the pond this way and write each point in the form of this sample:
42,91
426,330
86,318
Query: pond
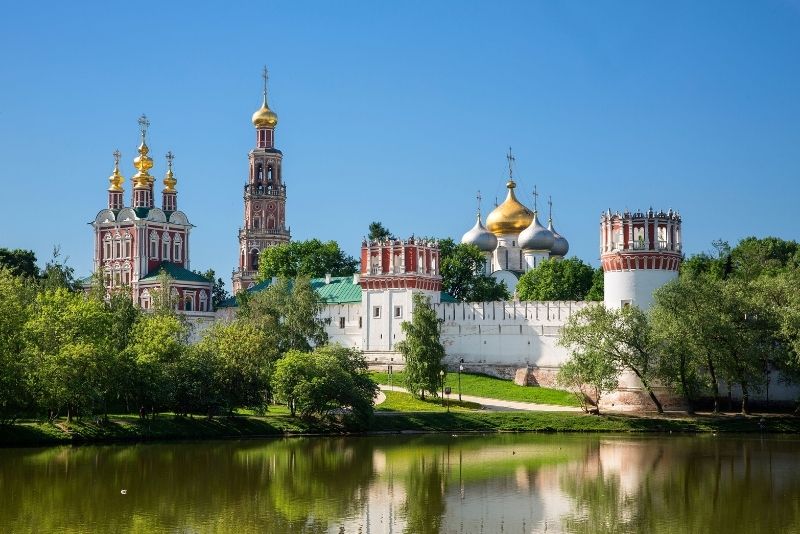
425,483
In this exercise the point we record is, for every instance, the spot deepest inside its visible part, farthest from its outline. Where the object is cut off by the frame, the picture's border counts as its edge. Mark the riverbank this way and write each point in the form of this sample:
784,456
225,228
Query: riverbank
169,427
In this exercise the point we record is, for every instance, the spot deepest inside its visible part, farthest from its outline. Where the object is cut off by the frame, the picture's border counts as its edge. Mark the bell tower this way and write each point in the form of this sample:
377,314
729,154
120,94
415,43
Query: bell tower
264,198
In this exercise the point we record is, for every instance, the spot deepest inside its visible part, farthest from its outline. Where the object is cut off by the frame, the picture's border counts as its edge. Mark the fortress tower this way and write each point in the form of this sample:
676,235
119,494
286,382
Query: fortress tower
264,198
640,252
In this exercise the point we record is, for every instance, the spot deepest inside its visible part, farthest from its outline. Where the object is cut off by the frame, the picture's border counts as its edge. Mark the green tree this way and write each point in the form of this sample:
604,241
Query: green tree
597,291
623,337
20,262
218,291
57,273
568,279
326,380
16,294
289,309
311,258
463,277
377,231
753,257
422,349
159,341
70,358
245,360
589,374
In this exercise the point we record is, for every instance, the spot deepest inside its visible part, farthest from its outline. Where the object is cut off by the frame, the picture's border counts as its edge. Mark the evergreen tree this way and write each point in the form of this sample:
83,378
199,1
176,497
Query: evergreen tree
422,349
377,231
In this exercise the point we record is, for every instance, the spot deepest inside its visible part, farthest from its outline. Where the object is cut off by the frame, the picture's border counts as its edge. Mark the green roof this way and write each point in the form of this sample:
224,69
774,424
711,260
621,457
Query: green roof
340,290
175,272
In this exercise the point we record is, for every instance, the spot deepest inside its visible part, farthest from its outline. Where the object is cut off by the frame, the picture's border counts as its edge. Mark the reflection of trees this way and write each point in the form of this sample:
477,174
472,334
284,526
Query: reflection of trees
689,485
291,485
425,489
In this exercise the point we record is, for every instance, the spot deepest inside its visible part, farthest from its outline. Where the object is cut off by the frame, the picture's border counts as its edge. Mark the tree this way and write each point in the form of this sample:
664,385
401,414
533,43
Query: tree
568,279
422,348
623,337
311,258
589,374
328,379
16,294
70,358
245,357
218,291
19,262
462,270
597,291
378,232
57,273
290,310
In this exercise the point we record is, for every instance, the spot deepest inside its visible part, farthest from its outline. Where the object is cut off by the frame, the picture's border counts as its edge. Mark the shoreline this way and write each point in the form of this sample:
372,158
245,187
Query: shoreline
171,428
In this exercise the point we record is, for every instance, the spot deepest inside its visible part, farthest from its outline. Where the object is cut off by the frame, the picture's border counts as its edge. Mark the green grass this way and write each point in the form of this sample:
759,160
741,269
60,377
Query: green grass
493,388
403,402
169,427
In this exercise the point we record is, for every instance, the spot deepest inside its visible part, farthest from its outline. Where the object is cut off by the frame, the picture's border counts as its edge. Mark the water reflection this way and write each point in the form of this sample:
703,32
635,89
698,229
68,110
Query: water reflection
423,484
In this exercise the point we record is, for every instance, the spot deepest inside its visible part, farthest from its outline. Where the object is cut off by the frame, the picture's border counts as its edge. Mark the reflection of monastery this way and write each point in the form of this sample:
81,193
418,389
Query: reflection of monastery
639,252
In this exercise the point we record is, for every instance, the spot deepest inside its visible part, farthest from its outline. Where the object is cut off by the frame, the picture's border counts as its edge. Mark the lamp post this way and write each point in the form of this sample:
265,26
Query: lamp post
441,379
460,368
390,376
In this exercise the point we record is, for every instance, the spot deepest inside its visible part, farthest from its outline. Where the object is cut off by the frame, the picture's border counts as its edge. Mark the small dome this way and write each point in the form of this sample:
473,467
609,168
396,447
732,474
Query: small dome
510,217
536,236
560,243
480,237
265,117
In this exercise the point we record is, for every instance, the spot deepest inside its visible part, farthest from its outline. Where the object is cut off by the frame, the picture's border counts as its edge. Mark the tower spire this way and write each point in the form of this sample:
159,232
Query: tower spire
265,75
142,180
115,188
169,197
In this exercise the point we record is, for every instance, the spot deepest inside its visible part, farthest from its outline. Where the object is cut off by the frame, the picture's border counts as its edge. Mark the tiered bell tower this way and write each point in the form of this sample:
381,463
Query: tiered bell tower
264,198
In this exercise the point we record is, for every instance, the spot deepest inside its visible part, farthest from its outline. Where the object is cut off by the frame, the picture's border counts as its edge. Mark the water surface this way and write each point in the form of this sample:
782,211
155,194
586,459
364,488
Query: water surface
420,484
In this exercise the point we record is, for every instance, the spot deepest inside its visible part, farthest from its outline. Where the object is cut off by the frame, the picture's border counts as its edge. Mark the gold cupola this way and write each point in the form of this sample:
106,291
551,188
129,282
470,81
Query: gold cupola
116,177
265,117
143,162
169,178
510,217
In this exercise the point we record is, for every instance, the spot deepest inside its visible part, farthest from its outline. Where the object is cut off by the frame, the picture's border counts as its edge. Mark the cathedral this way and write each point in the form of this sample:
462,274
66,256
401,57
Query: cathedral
513,240
134,244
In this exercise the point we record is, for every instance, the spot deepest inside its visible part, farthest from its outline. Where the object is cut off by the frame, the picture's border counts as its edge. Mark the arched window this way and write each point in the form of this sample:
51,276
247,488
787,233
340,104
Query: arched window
153,246
254,259
144,300
270,223
269,173
187,304
117,246
256,222
177,249
203,301
127,245
165,246
259,174
107,247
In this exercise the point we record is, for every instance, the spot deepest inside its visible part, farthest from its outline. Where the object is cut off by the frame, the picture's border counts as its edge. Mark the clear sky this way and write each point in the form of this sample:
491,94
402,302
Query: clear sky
401,111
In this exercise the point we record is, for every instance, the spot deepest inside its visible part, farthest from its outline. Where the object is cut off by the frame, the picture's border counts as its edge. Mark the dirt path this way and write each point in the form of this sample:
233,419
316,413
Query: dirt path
500,405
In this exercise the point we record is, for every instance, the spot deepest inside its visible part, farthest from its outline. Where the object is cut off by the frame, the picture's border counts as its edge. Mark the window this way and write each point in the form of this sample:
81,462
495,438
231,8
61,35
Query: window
165,251
376,312
398,312
341,322
176,251
188,304
153,246
360,322
203,301
127,246
107,247
117,248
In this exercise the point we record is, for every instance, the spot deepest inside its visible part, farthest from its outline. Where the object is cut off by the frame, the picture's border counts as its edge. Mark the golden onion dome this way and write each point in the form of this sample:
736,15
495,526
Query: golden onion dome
116,177
510,217
143,163
265,117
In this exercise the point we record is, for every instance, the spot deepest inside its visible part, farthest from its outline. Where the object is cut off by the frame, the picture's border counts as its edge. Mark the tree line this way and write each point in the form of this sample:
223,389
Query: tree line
730,320
65,353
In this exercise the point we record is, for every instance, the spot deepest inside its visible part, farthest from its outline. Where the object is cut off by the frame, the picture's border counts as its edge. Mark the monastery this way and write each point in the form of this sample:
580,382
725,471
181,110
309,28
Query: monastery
639,251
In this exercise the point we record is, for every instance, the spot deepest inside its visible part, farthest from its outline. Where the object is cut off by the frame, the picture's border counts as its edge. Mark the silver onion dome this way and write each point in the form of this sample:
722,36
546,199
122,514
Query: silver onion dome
480,237
536,236
560,244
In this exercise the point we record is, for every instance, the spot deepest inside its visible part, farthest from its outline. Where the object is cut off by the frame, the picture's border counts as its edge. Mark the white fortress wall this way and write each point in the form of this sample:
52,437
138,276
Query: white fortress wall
343,324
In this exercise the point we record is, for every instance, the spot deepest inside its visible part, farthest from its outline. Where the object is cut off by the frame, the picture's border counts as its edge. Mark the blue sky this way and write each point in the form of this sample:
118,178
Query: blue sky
401,111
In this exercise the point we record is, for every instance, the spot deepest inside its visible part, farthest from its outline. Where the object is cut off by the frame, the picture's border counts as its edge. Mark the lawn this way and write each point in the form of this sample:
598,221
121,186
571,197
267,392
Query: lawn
493,388
403,402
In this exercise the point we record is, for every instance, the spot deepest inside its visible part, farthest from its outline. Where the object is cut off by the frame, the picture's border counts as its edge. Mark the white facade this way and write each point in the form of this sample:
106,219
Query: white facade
634,287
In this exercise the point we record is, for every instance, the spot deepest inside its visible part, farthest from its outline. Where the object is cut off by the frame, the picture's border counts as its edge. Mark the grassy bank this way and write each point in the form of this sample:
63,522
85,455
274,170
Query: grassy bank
491,387
168,427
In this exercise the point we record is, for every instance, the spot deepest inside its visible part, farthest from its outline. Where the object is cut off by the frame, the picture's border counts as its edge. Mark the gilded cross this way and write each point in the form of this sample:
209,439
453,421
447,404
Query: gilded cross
143,125
117,155
265,75
170,156
511,160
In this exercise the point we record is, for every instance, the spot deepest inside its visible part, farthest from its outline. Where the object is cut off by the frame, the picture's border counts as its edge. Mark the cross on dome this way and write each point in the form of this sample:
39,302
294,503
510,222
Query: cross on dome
511,160
535,199
144,123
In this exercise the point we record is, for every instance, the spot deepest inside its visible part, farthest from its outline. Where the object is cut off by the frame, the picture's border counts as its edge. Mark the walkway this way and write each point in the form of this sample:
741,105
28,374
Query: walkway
498,405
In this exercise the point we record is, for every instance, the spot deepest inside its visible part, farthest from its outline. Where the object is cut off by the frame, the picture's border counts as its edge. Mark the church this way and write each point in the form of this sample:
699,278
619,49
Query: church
135,244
